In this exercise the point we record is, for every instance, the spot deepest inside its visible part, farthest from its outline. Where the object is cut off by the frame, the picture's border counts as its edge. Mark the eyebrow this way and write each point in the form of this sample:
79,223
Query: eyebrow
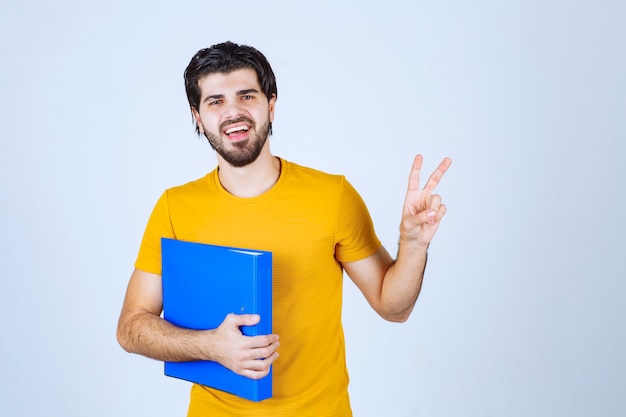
247,91
221,96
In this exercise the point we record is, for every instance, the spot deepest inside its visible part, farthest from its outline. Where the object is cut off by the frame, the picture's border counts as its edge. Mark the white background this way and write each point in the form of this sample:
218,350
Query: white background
521,313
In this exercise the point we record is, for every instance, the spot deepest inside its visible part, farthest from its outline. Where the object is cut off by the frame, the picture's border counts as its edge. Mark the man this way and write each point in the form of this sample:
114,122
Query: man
316,226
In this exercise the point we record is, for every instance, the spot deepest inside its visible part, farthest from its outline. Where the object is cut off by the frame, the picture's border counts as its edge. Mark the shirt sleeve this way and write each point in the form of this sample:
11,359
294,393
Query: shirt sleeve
159,225
356,238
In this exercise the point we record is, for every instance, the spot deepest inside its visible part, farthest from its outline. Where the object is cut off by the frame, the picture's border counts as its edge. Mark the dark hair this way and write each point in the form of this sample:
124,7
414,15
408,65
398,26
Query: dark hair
225,58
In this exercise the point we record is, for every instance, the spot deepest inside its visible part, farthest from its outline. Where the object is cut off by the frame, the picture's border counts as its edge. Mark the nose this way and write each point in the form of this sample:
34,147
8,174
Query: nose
232,110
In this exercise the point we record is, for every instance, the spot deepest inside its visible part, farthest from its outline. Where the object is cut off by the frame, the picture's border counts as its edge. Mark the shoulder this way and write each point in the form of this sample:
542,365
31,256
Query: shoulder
310,176
198,186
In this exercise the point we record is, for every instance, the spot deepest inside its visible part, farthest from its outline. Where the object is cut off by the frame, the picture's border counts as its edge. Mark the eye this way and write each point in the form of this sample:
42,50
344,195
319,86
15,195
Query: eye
247,97
214,102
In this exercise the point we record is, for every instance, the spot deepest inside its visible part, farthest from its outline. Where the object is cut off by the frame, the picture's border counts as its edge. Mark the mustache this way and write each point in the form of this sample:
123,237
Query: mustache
239,119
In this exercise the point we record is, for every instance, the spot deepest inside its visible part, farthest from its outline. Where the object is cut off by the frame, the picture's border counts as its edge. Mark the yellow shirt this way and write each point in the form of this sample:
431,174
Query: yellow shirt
310,221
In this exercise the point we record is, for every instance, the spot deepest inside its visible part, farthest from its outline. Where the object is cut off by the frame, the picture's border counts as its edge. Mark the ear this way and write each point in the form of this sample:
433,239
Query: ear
272,105
196,116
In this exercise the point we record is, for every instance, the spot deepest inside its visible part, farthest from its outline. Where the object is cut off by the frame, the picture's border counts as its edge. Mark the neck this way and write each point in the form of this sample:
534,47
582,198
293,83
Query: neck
253,179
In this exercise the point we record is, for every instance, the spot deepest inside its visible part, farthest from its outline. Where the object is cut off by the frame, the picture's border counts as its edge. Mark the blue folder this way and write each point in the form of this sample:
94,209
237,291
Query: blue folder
204,283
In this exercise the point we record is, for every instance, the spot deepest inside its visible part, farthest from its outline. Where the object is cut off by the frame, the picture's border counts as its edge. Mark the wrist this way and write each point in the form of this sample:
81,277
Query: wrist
206,344
413,243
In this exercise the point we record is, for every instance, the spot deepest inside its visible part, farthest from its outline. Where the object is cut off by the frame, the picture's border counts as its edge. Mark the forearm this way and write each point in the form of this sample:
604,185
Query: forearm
149,335
403,281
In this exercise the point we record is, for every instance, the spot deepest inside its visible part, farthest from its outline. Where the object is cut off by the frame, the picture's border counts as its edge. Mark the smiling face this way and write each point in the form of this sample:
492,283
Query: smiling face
235,115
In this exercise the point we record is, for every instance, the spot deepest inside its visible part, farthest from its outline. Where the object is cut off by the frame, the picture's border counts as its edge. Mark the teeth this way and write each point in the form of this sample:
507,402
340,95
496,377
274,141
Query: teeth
236,129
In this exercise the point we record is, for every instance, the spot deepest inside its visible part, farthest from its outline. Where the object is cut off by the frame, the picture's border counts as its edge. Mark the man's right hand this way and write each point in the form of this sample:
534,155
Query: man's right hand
250,356
142,330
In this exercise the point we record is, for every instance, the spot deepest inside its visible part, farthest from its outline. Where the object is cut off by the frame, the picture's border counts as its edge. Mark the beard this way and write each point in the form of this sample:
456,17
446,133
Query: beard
244,152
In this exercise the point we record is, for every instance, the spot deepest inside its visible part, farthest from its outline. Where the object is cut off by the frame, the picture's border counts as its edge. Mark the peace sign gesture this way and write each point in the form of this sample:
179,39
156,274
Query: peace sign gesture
422,210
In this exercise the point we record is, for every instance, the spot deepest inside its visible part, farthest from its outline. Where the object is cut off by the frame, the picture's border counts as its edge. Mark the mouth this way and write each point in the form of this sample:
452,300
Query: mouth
233,130
236,132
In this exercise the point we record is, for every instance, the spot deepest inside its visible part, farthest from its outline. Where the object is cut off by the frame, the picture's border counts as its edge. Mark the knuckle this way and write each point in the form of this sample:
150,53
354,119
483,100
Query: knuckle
265,352
257,375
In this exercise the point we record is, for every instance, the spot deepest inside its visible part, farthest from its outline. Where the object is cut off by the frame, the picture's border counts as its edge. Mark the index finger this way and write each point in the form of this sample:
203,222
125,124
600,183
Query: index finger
263,341
435,177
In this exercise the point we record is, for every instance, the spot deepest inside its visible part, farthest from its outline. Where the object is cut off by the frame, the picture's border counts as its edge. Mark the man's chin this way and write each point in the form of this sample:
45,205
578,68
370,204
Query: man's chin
240,143
241,159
